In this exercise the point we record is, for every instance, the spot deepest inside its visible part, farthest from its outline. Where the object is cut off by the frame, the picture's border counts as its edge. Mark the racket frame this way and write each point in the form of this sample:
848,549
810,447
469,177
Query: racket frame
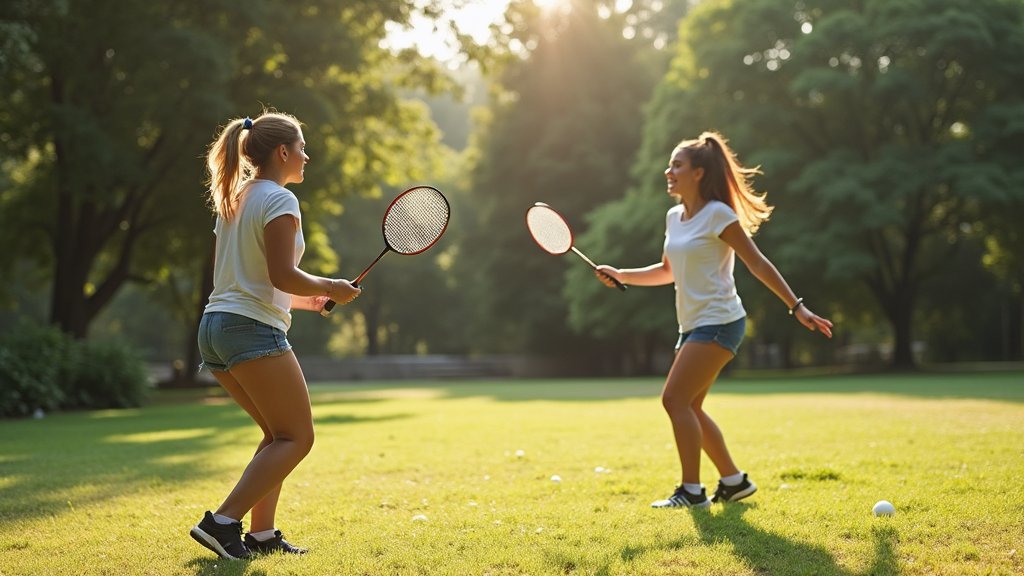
329,305
572,242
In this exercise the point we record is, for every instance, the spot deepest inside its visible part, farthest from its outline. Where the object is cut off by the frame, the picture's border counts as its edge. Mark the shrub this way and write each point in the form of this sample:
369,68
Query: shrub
32,358
42,368
104,374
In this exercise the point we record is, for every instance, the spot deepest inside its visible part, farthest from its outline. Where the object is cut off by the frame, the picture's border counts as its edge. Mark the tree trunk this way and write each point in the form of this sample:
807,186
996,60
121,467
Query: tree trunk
187,375
901,313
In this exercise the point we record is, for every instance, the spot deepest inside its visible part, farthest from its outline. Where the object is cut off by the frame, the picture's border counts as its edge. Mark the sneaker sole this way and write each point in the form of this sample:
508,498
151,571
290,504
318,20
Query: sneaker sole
210,542
704,504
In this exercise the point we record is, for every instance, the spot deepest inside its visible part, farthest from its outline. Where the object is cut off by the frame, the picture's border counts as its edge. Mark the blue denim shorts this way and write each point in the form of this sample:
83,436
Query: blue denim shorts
728,336
226,339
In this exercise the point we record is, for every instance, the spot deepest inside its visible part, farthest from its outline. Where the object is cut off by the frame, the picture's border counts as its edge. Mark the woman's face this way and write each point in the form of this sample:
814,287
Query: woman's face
680,176
295,163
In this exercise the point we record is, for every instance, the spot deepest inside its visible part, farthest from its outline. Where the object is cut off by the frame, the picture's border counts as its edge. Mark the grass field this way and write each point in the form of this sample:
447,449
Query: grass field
115,492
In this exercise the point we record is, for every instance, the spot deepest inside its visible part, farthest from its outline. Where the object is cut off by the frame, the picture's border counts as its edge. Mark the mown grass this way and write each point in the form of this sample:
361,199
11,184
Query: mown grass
115,492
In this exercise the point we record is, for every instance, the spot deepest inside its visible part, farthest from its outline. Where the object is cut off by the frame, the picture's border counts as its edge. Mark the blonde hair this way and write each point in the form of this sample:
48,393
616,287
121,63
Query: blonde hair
726,180
238,151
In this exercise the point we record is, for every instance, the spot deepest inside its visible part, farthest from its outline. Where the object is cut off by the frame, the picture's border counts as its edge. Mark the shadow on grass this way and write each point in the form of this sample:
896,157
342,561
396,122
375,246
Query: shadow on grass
763,552
221,567
51,466
769,553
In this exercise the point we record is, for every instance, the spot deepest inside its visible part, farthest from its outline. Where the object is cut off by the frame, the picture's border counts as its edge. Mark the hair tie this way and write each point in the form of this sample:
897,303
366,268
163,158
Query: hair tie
247,123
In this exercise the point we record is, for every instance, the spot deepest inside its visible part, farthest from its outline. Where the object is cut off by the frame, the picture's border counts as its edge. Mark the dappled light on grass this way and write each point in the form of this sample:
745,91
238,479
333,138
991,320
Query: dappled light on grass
162,436
456,478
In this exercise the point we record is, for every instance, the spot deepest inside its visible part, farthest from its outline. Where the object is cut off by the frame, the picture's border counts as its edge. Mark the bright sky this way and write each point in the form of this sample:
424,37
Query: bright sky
472,19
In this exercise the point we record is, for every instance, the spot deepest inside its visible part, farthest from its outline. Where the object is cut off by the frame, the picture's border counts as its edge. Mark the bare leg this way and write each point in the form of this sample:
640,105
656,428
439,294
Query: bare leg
262,515
693,372
713,441
277,391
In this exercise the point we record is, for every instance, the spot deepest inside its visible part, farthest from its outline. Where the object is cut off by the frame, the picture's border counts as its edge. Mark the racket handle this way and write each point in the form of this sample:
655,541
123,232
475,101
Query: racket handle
328,306
618,284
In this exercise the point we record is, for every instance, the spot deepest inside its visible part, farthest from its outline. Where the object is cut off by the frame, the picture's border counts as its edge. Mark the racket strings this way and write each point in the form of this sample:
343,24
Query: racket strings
416,220
549,230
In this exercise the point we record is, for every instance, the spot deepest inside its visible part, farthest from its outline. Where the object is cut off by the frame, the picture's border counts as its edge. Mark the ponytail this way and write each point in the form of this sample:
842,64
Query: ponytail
227,168
726,180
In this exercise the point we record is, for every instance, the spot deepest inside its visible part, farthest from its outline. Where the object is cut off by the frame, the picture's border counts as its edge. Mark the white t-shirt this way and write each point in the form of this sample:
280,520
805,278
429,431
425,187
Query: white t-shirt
702,266
241,280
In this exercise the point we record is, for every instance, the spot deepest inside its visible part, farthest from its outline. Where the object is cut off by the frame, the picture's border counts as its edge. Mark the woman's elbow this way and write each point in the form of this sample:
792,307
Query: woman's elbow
281,279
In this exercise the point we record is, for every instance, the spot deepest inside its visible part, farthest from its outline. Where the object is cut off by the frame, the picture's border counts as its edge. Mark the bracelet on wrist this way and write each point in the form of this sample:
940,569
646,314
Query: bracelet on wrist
799,302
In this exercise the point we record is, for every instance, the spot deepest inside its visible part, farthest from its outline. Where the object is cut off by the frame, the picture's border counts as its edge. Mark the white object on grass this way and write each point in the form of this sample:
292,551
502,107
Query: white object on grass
883,508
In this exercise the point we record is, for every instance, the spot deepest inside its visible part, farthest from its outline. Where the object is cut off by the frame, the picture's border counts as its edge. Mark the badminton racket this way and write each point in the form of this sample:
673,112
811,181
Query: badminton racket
552,233
413,223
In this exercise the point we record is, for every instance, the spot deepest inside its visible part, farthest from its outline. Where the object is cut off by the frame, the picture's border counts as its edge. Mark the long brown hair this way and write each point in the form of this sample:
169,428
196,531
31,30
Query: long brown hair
726,180
241,147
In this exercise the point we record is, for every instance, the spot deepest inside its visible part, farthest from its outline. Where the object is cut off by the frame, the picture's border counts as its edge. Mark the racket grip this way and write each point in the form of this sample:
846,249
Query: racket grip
618,284
328,306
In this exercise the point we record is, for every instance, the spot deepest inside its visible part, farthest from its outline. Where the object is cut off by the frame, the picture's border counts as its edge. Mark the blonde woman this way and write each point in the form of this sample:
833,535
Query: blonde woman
716,214
242,335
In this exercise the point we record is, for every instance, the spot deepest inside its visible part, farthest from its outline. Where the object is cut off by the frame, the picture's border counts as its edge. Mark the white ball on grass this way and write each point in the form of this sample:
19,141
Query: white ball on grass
883,508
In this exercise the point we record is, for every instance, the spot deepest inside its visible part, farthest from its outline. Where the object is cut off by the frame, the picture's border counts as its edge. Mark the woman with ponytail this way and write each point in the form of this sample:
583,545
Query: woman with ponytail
716,215
242,335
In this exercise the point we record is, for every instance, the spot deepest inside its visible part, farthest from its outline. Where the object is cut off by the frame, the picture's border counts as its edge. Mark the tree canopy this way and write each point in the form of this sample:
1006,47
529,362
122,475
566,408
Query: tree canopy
884,130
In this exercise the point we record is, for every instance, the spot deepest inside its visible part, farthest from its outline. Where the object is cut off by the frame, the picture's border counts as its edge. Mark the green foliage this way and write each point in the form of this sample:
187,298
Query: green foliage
112,106
565,134
875,124
44,368
104,374
32,365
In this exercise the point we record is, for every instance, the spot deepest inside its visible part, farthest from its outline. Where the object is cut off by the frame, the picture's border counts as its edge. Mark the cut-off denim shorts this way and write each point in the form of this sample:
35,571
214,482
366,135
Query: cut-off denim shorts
227,339
728,336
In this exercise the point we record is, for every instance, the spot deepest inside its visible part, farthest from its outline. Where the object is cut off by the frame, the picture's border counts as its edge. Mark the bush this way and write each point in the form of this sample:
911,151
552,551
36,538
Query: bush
42,368
104,374
31,367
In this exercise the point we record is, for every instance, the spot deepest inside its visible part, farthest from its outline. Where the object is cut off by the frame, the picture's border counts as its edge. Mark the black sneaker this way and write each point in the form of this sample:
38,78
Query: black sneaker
223,539
740,491
682,498
275,544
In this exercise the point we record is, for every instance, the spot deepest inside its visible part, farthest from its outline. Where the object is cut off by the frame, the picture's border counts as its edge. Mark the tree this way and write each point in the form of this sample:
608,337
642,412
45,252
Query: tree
110,107
874,124
564,131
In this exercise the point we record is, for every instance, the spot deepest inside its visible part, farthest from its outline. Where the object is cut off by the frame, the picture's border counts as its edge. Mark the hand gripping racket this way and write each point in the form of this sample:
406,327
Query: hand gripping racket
552,233
413,222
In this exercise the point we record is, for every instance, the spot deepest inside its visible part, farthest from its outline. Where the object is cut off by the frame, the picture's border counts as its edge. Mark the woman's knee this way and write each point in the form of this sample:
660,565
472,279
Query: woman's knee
302,439
673,401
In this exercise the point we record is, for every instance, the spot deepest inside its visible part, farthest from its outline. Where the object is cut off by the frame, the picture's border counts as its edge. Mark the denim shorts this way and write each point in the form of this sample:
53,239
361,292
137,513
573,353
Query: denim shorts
226,339
728,336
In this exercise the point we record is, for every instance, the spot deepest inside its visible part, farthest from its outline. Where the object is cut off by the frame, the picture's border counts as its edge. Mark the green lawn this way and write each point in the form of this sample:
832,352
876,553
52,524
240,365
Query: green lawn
115,492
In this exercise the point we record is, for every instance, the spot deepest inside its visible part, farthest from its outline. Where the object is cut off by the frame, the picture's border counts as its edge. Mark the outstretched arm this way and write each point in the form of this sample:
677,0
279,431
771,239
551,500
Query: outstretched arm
769,275
653,275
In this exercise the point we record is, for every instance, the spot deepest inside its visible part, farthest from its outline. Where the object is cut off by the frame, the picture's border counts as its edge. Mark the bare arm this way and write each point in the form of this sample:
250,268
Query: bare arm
279,239
311,303
654,275
769,275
